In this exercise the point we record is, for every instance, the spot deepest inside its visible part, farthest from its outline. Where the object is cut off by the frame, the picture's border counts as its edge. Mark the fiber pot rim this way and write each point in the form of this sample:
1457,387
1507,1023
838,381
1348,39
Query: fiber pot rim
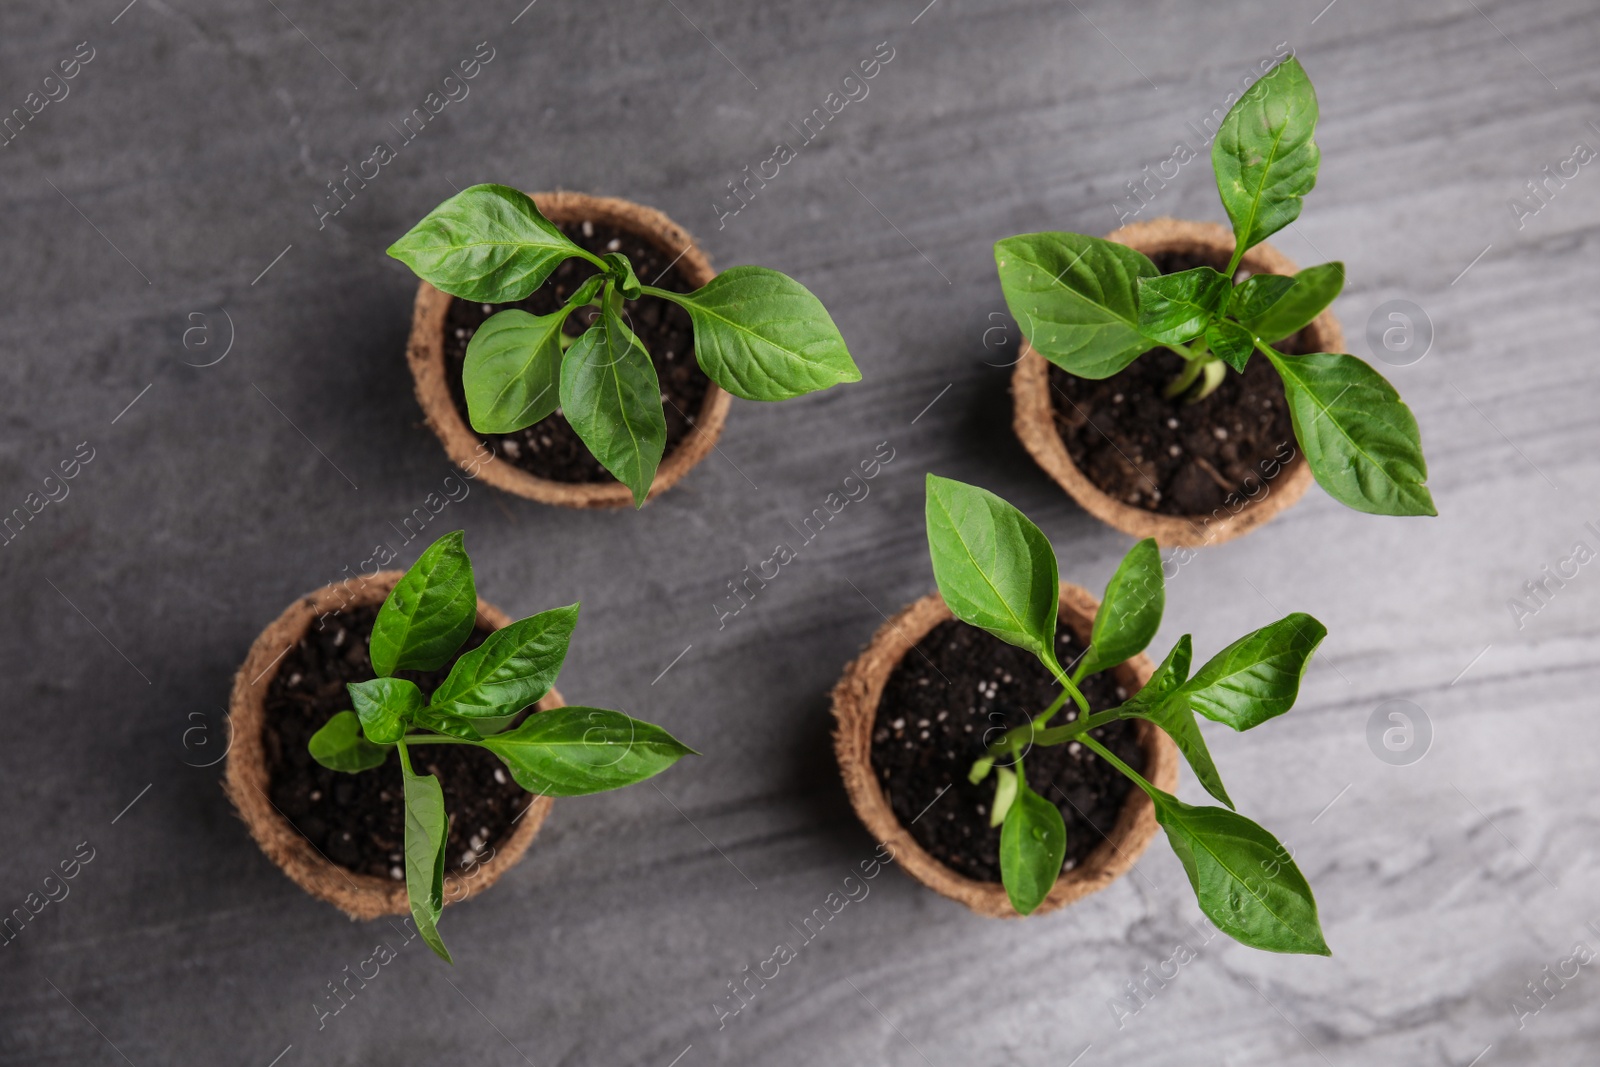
425,354
855,708
360,896
1034,419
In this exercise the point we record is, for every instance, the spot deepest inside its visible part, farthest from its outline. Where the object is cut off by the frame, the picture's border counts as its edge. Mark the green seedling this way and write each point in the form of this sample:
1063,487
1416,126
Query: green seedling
759,334
564,752
996,571
1092,306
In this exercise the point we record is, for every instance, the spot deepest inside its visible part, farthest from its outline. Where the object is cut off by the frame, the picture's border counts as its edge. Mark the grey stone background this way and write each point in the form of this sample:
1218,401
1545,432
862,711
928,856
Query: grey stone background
150,202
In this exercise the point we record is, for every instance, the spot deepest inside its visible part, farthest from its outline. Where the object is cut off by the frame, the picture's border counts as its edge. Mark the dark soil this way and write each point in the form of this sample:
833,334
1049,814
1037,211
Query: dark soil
1169,456
550,448
943,697
358,820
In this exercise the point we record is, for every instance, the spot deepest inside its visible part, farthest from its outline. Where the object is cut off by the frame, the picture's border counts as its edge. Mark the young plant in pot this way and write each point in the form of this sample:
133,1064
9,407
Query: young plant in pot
1194,381
996,572
393,726
543,346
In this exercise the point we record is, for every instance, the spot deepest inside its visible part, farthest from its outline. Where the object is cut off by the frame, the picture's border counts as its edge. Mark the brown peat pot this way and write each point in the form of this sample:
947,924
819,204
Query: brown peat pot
425,354
855,709
361,896
1035,424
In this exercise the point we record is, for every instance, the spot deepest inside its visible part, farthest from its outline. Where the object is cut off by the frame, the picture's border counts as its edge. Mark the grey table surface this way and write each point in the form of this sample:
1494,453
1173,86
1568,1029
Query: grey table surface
163,213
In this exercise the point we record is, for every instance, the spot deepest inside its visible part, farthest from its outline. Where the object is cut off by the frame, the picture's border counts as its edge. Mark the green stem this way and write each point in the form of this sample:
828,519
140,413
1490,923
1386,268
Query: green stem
1067,684
1233,263
1191,371
405,759
432,739
592,258
1215,371
1105,754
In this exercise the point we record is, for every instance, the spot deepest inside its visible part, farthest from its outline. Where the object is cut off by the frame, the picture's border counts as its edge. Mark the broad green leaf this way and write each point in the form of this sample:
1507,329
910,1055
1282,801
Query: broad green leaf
442,722
1033,844
573,751
1358,435
385,707
1076,298
512,374
761,335
1246,882
1005,792
488,243
1174,308
513,668
428,613
1264,155
1314,289
994,568
1231,342
1160,702
1257,294
1130,612
612,397
621,271
427,827
1258,676
340,746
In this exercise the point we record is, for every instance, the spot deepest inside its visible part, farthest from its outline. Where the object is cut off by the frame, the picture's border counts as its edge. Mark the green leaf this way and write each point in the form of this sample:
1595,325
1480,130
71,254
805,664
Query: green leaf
761,335
488,243
1130,612
1076,299
1258,293
428,613
1160,702
1174,308
1231,342
1264,155
621,271
427,828
1258,676
1358,435
1033,845
385,706
512,375
1005,792
994,568
1246,882
612,397
442,722
513,668
340,746
980,769
573,751
1314,289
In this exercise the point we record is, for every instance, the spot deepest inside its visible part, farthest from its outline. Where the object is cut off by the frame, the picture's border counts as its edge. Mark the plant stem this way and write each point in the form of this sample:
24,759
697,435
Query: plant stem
592,258
1033,733
434,739
1185,378
1105,754
1215,371
405,758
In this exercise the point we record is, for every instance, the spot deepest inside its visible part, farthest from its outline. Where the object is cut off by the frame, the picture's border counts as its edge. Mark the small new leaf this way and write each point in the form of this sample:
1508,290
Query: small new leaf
621,271
513,668
761,335
428,613
994,568
512,374
385,707
1258,676
1231,342
1076,299
1033,845
612,397
1174,308
1257,294
1314,289
1245,881
1358,435
427,829
573,751
1130,612
340,746
488,243
1264,154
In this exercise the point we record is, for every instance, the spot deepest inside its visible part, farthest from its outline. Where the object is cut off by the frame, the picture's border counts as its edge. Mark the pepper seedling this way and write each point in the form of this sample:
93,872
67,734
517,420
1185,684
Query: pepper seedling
997,571
1092,306
759,334
564,752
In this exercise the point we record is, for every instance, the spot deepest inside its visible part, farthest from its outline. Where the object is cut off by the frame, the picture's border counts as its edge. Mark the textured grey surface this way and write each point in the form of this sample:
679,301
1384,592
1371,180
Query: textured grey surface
187,157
